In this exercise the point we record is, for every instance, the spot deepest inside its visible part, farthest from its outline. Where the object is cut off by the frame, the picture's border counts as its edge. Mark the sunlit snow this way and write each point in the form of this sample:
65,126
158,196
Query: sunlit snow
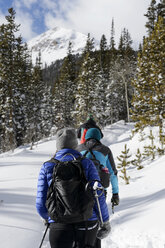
138,222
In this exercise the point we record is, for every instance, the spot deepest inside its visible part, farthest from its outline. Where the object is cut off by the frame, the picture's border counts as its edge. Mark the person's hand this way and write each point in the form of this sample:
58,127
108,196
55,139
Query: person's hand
115,199
104,230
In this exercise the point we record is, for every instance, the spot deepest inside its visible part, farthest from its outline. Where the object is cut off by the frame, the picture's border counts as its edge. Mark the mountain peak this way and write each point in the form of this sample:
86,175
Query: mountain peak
53,44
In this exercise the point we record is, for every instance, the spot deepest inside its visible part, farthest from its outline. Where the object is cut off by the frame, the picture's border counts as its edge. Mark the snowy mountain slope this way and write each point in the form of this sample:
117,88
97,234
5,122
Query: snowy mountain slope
138,222
53,44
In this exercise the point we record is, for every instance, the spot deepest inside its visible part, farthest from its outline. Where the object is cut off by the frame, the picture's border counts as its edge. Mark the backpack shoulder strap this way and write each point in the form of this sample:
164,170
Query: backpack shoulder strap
74,158
52,160
85,153
93,155
90,150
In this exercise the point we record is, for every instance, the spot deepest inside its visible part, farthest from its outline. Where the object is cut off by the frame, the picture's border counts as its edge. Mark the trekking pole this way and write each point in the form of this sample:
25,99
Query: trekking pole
113,207
47,226
95,188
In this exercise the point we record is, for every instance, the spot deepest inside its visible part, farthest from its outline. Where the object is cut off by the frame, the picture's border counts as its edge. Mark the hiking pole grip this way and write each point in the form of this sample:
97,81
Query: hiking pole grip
95,188
47,226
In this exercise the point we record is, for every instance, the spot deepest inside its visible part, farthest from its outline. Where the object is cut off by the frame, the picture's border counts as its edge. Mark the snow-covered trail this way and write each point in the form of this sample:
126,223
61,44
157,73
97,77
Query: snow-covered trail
138,222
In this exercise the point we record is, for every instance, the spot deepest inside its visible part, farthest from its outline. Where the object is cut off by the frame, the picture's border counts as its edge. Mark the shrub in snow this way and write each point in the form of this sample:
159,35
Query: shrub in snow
124,163
150,150
138,160
161,149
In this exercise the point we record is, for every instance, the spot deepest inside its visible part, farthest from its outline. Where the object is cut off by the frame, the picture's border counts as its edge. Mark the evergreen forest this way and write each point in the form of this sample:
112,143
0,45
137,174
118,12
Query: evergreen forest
114,82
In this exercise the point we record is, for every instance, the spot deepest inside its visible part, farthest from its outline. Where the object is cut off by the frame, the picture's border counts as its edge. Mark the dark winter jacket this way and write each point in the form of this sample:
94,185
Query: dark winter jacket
45,177
84,127
104,155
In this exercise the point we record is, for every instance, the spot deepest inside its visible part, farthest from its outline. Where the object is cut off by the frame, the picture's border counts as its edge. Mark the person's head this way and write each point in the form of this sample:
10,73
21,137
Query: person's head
66,138
93,133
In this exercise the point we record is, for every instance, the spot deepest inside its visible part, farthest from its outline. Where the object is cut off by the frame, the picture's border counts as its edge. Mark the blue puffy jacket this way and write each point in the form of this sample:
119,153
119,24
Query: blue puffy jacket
45,177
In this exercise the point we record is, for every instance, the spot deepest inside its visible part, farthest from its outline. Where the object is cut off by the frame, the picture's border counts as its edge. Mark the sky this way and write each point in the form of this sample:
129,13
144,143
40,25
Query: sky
138,221
86,16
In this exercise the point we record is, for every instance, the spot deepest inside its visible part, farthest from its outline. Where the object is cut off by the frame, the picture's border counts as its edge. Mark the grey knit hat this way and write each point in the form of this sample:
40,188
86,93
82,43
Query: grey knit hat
66,138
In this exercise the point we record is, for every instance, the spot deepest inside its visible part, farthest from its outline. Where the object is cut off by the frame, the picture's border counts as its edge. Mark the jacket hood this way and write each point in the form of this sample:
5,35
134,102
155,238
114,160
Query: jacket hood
93,133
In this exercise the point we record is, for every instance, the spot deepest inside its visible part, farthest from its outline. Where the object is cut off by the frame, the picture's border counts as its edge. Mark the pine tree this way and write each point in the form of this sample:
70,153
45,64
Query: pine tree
112,100
8,75
161,149
138,160
121,71
152,17
99,101
140,49
35,99
29,136
86,84
43,102
103,55
56,106
150,150
20,89
149,85
1,116
112,38
66,91
114,94
103,78
124,163
154,12
38,89
46,111
161,9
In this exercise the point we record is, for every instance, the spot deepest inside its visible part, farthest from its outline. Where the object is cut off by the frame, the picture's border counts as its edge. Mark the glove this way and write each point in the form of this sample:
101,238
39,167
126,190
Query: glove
115,199
104,230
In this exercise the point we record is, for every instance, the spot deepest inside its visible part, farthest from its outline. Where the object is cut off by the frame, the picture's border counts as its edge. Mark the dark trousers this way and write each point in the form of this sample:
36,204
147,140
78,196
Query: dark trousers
79,235
97,243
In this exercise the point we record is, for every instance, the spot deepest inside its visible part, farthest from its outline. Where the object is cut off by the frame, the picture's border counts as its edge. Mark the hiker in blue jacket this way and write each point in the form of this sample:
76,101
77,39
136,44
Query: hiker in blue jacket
83,233
104,155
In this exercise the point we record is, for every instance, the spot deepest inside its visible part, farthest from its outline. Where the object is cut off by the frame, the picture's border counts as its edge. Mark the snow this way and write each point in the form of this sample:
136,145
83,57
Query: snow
53,44
138,221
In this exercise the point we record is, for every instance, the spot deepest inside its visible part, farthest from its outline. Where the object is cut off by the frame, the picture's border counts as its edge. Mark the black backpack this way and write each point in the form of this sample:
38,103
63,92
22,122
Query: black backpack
102,171
69,198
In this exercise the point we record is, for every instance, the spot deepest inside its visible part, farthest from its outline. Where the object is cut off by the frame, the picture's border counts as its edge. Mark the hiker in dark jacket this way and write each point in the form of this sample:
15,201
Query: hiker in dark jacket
64,235
81,131
104,155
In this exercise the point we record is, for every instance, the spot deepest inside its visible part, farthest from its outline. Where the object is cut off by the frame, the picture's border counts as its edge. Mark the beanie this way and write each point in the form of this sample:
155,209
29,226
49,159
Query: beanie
93,133
66,138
